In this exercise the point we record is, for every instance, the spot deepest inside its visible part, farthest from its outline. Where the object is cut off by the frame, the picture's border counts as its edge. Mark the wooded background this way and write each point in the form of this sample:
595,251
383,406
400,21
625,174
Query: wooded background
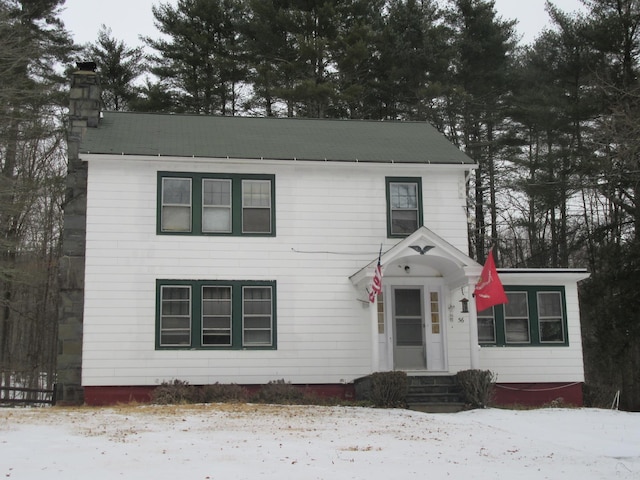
554,127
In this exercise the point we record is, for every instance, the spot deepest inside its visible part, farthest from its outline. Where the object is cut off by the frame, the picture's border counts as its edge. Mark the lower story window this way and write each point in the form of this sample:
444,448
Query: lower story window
533,316
215,314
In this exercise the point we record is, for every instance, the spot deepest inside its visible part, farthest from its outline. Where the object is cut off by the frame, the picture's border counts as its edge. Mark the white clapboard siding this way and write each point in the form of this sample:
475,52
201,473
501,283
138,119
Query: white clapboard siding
330,223
541,364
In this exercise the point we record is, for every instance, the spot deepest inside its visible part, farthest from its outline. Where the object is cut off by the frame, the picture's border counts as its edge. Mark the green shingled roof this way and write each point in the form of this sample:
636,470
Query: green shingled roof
269,138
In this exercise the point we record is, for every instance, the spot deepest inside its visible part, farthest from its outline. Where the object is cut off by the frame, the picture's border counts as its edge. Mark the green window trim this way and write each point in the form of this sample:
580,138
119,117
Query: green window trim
220,315
243,203
404,205
542,319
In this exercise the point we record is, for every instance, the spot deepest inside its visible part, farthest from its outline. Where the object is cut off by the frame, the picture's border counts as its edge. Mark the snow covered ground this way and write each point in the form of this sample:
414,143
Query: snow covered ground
299,442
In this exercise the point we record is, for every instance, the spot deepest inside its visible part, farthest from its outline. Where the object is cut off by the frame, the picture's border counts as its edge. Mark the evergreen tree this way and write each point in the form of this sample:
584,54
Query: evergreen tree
484,46
415,56
552,107
201,59
356,52
271,54
119,67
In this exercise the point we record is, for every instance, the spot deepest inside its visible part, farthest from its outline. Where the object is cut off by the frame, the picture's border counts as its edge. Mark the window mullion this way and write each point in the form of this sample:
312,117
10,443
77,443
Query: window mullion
236,315
534,321
236,205
196,309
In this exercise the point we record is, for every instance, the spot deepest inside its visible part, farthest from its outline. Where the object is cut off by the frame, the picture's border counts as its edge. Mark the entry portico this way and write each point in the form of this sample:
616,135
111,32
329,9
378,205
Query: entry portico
417,323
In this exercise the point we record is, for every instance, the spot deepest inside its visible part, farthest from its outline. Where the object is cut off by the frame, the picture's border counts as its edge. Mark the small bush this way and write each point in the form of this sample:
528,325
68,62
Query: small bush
279,392
386,389
176,392
220,393
477,387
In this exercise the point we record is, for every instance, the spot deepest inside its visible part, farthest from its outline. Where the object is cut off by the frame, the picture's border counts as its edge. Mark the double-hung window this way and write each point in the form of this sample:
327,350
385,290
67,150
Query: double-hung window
404,205
176,198
216,204
533,316
215,314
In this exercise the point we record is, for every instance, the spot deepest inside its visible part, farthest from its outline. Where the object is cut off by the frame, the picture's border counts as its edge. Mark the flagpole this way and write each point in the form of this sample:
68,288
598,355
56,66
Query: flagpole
375,341
375,348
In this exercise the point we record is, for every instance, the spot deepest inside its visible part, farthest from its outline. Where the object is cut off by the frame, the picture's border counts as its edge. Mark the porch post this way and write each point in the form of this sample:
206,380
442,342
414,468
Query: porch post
375,350
473,331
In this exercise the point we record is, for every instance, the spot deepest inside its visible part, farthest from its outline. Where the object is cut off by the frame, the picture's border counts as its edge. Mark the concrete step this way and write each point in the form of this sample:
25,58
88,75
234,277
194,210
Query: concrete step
434,407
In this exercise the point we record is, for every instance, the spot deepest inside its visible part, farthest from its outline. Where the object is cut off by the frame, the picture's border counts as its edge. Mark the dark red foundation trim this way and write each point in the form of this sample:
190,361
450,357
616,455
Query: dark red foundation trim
538,394
505,394
101,396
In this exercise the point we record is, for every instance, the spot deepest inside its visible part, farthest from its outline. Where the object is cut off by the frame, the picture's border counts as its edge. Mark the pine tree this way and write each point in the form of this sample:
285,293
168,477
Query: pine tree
201,59
475,107
118,67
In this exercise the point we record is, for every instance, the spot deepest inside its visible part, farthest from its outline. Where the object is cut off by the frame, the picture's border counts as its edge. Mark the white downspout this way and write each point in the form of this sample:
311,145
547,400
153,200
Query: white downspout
473,330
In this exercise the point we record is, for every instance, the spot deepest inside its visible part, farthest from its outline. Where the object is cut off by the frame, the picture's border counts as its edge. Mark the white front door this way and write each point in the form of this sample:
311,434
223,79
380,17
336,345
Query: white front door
408,329
417,329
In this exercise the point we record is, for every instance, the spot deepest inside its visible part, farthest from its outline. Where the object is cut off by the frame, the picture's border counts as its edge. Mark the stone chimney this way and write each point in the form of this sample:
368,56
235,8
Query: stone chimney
84,112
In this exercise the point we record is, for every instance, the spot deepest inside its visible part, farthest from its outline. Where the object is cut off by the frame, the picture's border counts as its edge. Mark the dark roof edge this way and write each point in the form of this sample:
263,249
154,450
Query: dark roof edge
295,159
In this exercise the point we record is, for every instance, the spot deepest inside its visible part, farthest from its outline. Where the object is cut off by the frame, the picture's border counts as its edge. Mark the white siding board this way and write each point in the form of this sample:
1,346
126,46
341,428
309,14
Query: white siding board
541,363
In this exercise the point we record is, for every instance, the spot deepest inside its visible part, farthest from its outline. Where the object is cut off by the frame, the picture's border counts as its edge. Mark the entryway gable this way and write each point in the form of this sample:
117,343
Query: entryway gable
427,249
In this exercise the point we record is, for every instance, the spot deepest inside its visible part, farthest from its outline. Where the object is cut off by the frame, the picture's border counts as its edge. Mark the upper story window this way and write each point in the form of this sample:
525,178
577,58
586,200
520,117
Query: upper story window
533,316
404,206
207,204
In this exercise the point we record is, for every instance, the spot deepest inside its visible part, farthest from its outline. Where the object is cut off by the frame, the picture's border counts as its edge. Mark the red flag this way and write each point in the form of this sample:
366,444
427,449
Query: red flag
376,283
489,290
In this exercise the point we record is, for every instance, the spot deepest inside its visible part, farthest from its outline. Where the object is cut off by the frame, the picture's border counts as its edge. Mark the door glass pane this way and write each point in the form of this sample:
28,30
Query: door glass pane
408,317
408,332
408,302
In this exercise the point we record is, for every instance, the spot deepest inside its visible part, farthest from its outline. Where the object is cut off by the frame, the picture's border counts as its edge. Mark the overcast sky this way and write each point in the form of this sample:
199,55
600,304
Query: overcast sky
130,18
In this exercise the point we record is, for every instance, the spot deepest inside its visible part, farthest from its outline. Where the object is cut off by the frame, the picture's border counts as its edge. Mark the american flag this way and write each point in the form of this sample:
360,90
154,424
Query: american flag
376,283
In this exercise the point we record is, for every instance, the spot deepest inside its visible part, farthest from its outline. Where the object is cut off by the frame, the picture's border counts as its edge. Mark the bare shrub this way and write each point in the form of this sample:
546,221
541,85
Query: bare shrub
387,389
279,392
477,387
221,393
176,392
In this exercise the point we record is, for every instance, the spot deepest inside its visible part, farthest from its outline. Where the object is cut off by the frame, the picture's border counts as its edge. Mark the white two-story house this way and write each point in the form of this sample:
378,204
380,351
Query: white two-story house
241,250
